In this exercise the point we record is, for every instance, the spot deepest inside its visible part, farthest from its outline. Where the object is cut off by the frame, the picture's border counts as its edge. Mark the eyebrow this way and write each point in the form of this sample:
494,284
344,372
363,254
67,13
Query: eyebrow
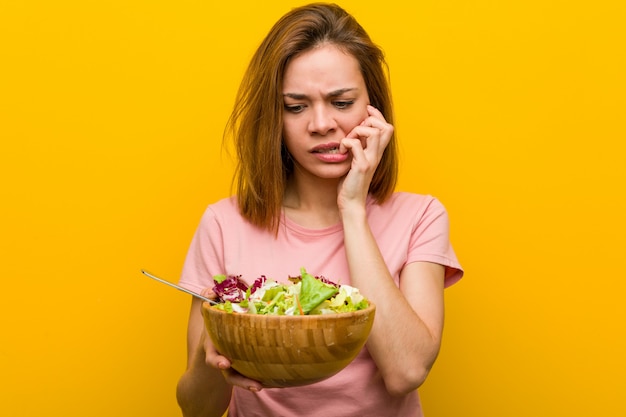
334,93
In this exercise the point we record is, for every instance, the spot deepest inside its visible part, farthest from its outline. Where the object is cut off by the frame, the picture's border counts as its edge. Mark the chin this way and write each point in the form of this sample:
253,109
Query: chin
326,171
333,174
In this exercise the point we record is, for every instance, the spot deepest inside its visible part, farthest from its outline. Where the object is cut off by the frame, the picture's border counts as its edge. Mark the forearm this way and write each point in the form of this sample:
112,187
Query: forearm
202,390
197,399
402,345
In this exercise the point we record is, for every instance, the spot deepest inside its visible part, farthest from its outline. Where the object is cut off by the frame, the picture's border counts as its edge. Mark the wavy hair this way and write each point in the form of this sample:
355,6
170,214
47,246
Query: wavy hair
256,122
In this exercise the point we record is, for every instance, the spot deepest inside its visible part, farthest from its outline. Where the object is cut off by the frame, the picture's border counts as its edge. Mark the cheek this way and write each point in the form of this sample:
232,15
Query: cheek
353,121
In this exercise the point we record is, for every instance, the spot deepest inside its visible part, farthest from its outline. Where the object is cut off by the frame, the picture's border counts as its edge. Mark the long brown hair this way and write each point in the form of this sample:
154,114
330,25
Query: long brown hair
256,123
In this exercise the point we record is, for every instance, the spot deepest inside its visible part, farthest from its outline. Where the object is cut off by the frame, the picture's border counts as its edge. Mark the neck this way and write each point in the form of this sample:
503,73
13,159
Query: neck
312,203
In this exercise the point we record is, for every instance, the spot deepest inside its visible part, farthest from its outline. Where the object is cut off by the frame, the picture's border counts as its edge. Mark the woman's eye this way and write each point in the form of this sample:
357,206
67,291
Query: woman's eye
294,108
343,104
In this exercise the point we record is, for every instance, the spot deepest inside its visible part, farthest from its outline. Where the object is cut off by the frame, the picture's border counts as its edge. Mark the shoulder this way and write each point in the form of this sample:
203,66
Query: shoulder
405,203
223,211
414,213
225,205
403,197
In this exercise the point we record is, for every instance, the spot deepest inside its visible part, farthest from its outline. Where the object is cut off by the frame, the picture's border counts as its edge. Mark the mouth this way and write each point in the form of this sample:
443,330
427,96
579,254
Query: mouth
330,148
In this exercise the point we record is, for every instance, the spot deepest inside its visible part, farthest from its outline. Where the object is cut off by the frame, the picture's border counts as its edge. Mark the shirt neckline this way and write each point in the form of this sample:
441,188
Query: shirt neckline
296,227
308,231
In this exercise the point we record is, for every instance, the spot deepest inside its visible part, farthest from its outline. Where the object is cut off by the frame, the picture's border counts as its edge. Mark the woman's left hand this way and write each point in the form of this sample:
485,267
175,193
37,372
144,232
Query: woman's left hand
366,142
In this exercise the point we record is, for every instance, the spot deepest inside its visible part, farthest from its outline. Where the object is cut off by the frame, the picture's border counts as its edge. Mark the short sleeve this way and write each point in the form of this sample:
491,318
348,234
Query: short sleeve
430,241
205,257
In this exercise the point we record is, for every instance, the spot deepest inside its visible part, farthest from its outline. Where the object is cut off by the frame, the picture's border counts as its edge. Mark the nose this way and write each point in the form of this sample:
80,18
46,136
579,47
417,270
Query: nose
322,121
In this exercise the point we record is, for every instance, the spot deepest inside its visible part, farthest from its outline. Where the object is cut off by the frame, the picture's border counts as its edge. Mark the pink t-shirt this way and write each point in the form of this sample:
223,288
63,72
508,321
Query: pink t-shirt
408,228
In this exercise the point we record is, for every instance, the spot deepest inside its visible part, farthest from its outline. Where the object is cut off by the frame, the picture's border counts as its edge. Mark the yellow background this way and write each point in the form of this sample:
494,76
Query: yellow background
111,115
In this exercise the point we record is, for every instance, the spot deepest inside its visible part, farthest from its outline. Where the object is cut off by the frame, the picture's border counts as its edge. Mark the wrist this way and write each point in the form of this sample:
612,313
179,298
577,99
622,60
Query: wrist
353,214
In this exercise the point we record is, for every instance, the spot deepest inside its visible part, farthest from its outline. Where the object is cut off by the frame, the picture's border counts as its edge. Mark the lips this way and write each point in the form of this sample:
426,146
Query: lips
327,148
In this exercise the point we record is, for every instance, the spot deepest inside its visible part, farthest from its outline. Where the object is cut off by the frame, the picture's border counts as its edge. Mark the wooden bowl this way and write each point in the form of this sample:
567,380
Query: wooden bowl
288,351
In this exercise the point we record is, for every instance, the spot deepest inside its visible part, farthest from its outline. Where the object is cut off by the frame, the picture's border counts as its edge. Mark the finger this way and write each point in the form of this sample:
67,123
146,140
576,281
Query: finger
369,137
374,118
349,143
212,357
235,378
377,119
380,124
383,131
222,362
373,111
208,293
216,360
361,162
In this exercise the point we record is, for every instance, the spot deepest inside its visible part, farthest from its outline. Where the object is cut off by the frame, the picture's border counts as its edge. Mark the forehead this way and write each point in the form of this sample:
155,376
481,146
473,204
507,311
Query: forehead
325,66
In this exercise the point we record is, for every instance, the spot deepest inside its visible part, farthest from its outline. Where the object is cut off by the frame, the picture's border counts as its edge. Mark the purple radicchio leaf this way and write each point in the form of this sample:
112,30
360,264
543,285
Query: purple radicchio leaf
258,283
326,280
231,289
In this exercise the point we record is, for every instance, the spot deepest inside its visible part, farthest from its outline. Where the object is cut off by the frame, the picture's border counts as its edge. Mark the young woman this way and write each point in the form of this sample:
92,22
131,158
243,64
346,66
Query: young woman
317,167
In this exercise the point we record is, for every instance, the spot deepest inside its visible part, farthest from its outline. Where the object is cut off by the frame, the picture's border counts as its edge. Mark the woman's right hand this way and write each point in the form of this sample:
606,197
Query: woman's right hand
214,359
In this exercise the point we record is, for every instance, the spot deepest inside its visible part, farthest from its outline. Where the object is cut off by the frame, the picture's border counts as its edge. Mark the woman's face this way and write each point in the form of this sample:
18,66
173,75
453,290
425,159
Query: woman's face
324,99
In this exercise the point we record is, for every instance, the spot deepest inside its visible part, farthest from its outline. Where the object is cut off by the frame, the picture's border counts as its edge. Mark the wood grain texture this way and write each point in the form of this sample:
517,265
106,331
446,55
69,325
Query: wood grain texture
287,351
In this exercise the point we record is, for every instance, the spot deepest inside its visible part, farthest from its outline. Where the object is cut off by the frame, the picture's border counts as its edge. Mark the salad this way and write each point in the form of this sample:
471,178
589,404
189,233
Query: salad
306,295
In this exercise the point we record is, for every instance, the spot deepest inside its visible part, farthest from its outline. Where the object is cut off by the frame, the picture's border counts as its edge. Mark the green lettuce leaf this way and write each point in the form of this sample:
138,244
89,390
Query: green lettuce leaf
313,292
